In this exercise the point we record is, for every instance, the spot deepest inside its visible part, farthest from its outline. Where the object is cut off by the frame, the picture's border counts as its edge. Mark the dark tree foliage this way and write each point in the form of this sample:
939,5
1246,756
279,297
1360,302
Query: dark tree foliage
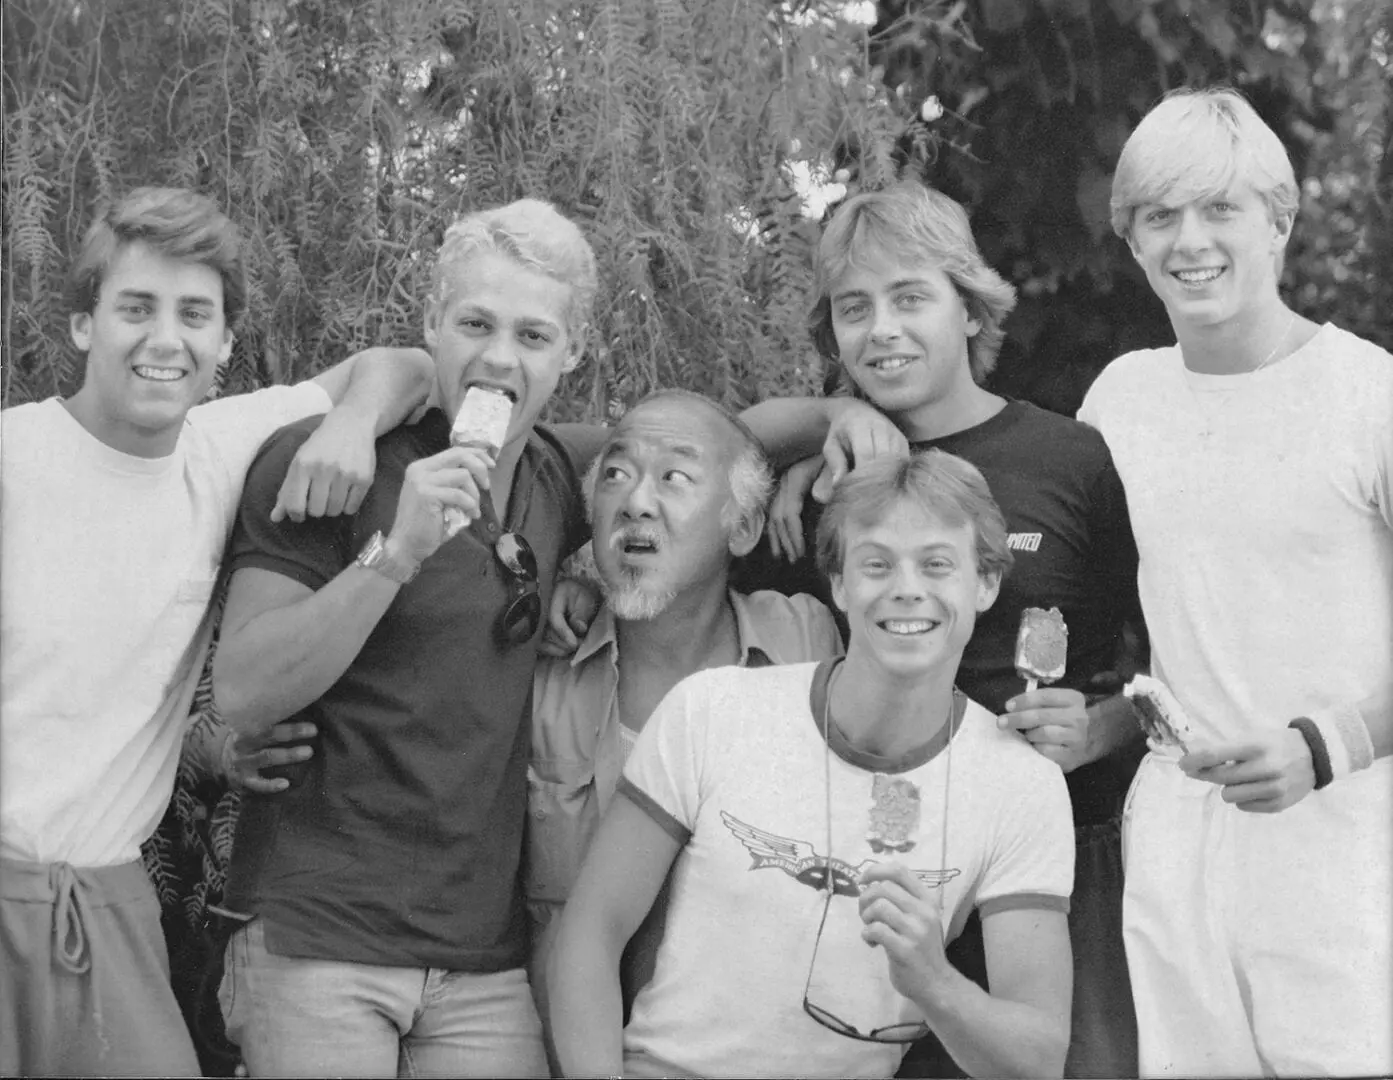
1043,93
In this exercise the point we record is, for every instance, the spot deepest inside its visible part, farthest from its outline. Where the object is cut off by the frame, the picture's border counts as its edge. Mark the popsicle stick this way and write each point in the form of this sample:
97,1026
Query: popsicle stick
1031,685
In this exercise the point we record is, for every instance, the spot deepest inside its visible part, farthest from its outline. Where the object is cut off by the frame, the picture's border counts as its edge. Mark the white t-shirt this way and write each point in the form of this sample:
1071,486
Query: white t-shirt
108,565
1263,511
733,762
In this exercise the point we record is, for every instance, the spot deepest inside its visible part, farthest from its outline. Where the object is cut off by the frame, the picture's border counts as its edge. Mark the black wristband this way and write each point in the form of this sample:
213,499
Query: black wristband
1320,755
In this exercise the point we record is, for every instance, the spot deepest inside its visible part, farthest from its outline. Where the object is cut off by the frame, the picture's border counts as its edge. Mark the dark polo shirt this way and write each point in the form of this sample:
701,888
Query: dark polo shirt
398,843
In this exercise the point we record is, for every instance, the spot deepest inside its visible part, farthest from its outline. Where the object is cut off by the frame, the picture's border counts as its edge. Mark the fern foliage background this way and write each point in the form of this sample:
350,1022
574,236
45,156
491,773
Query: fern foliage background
344,135
343,138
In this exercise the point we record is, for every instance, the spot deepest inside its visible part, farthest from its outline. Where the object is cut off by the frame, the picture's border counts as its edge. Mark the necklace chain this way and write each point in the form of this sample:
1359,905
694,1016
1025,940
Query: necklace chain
1291,321
1208,415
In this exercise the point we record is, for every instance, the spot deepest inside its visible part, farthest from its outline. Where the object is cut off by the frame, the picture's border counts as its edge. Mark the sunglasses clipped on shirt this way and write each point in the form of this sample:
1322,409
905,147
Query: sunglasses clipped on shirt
908,1032
518,622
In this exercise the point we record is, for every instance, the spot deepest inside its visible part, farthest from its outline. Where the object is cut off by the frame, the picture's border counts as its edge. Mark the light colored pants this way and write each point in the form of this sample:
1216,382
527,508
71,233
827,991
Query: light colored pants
1260,944
298,1017
84,975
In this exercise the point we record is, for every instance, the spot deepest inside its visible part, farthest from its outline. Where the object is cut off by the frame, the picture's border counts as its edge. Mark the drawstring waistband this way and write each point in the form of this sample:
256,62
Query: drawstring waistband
69,935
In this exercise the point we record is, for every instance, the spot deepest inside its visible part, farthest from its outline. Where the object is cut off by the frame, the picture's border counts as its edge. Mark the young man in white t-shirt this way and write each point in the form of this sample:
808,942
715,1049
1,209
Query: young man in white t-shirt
1256,454
115,507
829,827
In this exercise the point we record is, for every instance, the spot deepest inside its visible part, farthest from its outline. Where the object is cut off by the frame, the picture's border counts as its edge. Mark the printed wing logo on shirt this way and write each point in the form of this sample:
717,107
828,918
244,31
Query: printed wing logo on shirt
800,861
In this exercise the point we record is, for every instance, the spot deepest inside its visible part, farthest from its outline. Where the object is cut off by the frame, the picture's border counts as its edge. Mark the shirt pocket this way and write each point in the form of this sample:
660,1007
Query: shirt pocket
562,814
177,626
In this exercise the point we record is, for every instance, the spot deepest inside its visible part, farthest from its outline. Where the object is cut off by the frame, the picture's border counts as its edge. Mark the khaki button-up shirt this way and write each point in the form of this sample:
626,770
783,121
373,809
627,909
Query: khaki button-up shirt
577,753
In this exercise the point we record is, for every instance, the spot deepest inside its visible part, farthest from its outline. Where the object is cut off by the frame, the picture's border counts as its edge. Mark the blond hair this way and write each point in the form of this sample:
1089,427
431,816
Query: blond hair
539,237
1196,143
916,224
944,485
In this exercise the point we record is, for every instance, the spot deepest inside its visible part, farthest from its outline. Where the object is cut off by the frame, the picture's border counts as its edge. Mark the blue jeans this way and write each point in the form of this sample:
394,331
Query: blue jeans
299,1017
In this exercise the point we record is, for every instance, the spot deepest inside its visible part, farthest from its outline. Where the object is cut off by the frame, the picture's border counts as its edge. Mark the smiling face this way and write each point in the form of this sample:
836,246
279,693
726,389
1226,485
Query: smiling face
502,325
154,340
902,331
1213,258
911,591
661,485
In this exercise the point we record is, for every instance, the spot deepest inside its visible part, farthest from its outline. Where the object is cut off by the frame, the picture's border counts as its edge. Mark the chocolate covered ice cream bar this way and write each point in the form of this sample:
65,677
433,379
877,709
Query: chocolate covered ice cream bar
1160,714
1042,646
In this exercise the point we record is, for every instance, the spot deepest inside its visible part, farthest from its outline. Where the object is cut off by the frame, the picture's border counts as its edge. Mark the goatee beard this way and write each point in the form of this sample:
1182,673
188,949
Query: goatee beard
633,603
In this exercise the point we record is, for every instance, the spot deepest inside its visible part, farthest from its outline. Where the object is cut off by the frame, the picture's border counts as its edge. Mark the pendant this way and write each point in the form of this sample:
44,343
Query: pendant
895,812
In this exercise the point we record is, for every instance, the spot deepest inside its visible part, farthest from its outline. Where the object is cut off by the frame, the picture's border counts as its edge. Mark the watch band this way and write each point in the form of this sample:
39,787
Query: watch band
377,558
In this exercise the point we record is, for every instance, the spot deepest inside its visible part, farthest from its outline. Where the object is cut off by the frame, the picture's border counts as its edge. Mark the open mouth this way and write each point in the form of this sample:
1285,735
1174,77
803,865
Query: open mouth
635,545
506,391
159,374
1194,279
909,627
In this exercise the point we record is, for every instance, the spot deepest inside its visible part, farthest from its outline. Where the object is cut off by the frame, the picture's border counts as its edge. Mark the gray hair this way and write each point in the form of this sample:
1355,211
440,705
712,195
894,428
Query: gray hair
750,479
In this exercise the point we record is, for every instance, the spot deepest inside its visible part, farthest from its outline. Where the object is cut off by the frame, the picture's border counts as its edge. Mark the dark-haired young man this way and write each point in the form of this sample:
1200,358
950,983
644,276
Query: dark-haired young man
114,509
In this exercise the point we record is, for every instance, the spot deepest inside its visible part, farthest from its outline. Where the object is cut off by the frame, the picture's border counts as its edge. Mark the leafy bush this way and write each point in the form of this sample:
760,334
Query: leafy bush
343,137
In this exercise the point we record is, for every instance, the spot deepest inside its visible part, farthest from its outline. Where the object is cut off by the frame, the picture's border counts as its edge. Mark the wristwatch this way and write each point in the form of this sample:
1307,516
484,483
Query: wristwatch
376,557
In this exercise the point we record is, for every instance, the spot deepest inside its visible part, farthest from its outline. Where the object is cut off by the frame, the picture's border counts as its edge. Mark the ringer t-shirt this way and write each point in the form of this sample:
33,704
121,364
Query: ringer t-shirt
399,840
734,765
579,745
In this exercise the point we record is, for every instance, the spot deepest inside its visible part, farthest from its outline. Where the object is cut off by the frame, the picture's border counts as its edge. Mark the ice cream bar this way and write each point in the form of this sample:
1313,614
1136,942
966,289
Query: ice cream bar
1042,646
1160,715
483,419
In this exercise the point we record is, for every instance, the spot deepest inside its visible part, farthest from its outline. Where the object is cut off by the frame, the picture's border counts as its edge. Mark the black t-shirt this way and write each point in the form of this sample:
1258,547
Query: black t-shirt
399,841
1071,538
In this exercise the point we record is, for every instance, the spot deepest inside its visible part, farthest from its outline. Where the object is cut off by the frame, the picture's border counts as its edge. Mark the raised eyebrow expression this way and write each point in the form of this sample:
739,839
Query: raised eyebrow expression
664,451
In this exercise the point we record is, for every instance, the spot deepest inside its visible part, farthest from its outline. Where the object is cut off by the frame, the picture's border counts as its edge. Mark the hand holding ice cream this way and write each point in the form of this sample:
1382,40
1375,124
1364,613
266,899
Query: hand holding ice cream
482,422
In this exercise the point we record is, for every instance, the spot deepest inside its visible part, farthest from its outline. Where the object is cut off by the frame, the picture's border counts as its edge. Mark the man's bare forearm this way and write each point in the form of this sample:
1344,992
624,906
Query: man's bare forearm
585,1001
791,428
384,384
278,662
991,1036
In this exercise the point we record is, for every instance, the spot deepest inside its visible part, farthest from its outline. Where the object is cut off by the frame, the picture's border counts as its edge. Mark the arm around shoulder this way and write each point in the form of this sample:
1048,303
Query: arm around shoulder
384,384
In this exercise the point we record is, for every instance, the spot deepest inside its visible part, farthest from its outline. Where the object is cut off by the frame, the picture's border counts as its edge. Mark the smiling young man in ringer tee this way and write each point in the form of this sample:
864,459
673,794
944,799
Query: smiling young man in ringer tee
828,826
